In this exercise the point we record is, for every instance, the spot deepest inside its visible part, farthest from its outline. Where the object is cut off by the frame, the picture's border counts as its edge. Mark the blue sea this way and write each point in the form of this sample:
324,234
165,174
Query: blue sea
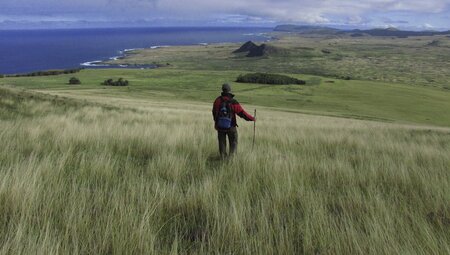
23,51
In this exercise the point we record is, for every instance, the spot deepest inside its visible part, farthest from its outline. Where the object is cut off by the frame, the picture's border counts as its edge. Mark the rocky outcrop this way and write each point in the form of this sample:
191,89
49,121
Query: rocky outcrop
254,50
246,47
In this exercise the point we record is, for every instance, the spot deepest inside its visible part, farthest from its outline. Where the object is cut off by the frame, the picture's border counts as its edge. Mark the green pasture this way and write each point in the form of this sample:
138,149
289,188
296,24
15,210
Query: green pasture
410,61
78,177
324,96
340,166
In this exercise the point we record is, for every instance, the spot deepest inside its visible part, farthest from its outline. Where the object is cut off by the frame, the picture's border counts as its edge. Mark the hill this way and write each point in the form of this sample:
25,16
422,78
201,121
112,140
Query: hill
262,50
94,179
356,32
246,47
306,29
398,33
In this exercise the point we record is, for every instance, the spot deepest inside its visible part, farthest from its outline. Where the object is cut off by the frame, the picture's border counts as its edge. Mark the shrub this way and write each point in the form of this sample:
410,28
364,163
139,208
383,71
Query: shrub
74,81
119,82
346,77
71,71
266,78
49,72
2,76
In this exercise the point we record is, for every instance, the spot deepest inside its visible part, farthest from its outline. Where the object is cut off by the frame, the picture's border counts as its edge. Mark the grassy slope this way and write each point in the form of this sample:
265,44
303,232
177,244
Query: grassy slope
80,178
409,61
356,99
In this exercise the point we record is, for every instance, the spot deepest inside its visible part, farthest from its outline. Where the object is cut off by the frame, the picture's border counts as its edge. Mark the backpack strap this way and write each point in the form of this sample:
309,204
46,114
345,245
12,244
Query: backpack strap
218,110
223,100
230,103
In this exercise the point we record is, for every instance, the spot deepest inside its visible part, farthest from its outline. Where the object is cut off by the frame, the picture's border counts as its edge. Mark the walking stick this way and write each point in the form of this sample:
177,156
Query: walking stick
254,130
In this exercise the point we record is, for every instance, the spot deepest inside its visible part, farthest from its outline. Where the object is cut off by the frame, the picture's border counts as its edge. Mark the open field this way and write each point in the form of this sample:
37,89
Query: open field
357,166
414,61
80,177
389,102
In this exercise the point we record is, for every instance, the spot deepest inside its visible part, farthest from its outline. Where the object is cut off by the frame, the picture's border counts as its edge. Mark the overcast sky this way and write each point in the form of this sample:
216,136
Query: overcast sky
416,14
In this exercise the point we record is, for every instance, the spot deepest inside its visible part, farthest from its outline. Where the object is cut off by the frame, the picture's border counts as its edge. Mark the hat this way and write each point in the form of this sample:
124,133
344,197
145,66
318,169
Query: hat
226,87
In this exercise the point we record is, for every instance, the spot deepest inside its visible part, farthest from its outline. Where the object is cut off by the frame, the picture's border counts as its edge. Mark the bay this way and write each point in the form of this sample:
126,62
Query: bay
23,51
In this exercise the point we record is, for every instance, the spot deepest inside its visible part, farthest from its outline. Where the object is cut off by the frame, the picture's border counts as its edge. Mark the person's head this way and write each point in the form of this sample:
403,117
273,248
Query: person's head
226,88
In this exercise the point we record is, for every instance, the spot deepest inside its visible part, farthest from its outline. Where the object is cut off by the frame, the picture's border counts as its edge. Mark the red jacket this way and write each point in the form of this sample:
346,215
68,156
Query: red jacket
237,109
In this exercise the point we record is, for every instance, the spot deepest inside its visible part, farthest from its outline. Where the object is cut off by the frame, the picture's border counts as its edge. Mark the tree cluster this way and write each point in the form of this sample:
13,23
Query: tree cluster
74,81
119,82
48,73
267,78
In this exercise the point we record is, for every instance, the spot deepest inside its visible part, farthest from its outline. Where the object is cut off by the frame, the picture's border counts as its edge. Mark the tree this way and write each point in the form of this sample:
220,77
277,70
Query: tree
119,82
74,81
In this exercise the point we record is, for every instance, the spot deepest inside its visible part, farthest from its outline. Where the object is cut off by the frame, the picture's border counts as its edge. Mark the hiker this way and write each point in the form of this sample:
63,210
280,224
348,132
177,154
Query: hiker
224,113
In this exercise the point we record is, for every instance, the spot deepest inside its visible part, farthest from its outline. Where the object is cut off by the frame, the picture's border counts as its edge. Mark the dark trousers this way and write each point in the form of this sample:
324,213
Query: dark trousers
232,138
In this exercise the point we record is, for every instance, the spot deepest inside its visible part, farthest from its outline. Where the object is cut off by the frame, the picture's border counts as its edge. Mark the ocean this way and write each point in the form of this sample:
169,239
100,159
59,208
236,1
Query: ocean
23,51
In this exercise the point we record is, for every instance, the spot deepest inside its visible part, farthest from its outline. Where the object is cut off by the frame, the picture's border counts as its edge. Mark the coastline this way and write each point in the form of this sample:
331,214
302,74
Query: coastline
101,63
98,64
49,50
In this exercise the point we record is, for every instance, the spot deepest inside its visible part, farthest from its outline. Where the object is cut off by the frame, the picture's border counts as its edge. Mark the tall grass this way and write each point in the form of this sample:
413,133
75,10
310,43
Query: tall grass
85,179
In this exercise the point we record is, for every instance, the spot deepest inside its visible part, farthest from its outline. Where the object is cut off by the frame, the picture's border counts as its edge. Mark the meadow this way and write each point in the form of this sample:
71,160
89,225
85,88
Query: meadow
339,166
414,61
370,100
78,177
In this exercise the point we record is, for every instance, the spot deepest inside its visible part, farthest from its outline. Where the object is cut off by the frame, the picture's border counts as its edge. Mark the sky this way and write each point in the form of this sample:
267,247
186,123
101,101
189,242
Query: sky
406,14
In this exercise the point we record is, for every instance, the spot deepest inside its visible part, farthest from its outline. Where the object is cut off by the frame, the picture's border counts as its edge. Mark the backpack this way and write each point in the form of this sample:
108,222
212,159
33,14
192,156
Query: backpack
225,115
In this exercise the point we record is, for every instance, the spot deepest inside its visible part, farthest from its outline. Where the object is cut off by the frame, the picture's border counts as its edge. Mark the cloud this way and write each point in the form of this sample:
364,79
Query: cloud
308,11
389,21
299,11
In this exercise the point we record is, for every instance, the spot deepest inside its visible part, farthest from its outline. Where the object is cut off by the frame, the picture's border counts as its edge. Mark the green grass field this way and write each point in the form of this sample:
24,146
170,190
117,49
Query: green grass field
80,178
339,167
411,61
388,102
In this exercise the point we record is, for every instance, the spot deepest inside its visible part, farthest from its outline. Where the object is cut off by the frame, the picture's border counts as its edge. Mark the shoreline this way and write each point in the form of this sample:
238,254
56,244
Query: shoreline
102,64
89,51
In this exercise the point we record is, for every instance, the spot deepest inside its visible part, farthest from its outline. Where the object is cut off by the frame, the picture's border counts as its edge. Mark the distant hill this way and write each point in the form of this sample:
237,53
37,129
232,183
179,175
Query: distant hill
400,33
306,29
246,47
263,50
391,31
254,50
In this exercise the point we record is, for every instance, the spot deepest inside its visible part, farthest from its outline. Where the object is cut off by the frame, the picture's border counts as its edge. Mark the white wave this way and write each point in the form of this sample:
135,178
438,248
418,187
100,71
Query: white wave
203,43
93,63
159,46
257,34
128,50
